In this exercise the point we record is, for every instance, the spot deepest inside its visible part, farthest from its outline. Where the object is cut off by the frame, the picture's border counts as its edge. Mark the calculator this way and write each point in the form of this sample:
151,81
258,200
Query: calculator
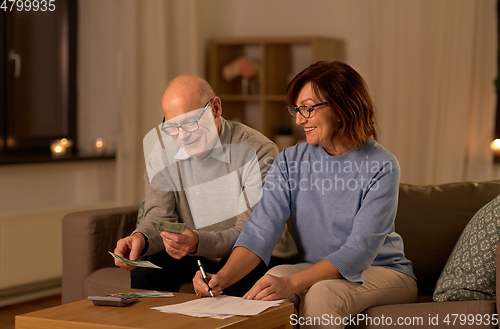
112,300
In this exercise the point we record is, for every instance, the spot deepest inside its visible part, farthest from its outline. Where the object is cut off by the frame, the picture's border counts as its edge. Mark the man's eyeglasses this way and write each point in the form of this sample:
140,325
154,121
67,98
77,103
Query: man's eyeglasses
305,111
187,126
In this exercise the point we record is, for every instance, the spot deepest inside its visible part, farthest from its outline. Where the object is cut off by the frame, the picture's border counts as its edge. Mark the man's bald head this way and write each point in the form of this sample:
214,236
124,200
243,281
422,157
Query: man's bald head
185,93
184,102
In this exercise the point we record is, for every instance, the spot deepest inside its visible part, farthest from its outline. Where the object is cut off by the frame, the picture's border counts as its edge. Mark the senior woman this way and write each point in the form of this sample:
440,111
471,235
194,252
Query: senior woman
340,189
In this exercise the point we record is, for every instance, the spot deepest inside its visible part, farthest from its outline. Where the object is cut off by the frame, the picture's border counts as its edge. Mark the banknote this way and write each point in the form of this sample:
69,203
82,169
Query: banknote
144,294
138,263
161,226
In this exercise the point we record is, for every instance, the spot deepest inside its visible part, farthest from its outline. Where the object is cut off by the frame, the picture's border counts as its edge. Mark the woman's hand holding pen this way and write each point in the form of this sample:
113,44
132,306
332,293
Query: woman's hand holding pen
241,262
201,288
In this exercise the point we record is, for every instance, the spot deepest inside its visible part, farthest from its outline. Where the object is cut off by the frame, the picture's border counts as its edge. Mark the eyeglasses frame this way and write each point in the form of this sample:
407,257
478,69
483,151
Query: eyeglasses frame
164,127
309,109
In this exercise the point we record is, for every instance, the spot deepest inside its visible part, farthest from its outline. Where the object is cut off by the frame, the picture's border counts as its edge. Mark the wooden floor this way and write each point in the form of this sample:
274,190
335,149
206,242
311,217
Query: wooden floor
8,313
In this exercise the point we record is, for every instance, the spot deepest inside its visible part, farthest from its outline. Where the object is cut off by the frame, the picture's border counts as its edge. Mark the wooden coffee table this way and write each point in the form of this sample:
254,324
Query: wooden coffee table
83,314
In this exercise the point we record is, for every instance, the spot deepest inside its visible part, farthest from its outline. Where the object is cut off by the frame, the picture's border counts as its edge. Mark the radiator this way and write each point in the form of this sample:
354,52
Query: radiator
33,200
31,254
30,248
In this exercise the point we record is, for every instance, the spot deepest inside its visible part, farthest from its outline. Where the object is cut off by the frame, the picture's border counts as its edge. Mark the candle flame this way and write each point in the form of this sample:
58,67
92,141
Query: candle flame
495,145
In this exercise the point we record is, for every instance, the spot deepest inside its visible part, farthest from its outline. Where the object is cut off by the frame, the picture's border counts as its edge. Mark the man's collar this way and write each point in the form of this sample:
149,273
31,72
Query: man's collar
218,150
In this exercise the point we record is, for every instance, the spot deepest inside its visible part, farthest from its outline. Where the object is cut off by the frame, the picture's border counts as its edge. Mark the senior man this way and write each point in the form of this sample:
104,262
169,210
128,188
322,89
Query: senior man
201,170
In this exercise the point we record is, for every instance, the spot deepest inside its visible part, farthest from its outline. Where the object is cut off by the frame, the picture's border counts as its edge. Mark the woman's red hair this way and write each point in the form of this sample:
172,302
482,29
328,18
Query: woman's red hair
347,95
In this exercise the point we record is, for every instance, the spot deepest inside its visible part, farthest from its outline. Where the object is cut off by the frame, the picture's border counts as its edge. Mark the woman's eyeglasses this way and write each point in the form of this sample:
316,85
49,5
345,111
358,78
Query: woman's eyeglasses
305,111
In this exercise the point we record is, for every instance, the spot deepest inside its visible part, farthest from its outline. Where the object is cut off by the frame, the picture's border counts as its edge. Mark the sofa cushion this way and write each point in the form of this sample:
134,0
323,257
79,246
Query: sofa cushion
431,218
430,315
469,273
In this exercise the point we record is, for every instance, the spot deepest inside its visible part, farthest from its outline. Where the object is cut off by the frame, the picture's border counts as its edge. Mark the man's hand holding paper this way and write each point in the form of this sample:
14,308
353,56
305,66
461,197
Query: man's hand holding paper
129,247
162,226
133,263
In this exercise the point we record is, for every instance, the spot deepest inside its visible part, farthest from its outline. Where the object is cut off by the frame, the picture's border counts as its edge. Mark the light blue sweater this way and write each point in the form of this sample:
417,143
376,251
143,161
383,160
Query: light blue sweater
342,209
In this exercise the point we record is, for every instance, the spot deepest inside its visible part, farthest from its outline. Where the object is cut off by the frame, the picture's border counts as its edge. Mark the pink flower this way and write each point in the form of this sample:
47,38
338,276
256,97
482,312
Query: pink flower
242,66
246,67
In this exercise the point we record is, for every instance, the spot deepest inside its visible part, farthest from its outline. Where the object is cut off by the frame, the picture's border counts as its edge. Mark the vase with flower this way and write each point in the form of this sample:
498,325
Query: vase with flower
243,67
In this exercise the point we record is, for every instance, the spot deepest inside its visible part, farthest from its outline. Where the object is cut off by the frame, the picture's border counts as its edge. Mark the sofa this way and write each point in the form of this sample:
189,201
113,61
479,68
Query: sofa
430,219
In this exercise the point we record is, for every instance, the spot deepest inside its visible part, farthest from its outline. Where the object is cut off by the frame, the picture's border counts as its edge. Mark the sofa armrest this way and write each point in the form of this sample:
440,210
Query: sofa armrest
87,236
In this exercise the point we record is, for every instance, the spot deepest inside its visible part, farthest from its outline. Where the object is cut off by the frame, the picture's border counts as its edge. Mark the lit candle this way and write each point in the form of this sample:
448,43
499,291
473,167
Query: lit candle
495,147
99,146
66,142
57,148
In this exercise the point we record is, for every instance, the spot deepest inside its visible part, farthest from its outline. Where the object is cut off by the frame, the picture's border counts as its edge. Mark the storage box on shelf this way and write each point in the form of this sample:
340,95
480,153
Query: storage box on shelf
263,105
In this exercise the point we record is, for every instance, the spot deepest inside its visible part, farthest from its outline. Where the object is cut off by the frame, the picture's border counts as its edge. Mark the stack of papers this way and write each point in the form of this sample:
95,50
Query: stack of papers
220,307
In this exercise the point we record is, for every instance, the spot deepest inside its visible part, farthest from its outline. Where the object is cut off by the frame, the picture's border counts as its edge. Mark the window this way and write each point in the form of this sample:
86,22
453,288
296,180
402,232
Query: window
38,78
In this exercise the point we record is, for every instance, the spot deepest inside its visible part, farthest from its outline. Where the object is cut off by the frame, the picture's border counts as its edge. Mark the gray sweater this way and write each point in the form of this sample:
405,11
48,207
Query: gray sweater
166,199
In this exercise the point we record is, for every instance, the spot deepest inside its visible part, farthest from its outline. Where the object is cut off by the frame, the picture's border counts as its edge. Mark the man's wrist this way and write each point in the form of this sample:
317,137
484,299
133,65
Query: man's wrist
146,241
194,249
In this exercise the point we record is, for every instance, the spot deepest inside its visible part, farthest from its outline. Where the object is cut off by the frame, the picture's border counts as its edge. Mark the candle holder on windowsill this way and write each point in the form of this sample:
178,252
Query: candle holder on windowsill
60,147
495,147
99,147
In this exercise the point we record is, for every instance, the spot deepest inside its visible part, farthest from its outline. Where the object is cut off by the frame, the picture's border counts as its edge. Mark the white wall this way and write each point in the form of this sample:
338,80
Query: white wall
44,187
340,19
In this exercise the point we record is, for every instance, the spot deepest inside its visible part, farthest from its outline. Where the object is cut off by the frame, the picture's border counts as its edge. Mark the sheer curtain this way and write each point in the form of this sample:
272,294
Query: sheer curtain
432,69
158,41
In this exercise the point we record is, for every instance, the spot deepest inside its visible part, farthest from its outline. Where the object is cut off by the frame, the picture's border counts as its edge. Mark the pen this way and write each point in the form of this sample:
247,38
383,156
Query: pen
205,278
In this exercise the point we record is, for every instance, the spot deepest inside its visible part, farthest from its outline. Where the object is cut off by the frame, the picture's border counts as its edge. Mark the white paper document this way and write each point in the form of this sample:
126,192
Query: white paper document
220,307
